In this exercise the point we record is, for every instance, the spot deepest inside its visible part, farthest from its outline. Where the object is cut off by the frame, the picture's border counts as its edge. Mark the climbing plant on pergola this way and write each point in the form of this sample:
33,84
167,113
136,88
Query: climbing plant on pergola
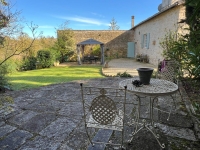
81,46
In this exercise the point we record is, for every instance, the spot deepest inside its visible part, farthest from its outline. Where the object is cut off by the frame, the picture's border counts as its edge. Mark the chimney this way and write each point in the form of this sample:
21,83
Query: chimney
132,21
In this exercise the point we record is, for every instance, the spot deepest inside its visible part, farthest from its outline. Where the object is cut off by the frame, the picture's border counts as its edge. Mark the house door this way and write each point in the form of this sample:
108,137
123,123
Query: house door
131,50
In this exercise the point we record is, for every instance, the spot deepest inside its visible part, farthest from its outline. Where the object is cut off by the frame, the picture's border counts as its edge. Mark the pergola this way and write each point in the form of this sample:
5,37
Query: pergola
81,45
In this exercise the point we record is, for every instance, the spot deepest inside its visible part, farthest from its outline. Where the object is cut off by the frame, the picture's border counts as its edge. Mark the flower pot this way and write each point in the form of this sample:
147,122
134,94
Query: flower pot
145,75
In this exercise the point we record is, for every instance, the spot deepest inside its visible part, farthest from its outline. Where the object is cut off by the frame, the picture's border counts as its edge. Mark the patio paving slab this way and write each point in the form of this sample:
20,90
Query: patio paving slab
50,117
125,65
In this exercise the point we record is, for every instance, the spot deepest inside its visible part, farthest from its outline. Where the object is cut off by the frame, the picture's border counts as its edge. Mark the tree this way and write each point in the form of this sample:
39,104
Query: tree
65,44
13,41
45,58
12,37
113,25
193,37
3,2
192,10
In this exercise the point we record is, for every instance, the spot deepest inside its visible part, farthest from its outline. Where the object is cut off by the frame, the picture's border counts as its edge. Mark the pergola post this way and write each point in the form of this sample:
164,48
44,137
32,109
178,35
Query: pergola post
82,51
78,55
102,54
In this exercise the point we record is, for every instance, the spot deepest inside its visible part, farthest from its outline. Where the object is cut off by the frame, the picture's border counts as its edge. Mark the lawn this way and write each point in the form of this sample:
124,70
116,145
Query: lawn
41,77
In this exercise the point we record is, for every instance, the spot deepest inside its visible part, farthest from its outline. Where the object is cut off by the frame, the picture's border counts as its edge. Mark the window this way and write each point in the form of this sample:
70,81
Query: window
145,40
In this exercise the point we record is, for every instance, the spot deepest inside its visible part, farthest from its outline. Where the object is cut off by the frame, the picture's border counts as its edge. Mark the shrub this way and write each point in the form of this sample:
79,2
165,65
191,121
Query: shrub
5,105
29,63
45,58
3,80
96,50
55,54
11,65
73,57
124,74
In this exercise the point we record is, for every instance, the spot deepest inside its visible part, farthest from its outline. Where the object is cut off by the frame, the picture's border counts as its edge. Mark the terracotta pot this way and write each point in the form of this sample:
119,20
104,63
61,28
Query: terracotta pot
145,75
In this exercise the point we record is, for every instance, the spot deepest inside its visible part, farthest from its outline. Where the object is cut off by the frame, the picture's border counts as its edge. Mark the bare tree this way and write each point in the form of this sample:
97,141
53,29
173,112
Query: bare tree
3,2
12,37
113,25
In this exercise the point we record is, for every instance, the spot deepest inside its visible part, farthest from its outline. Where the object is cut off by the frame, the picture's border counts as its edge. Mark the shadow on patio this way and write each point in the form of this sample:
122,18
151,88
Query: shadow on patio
50,117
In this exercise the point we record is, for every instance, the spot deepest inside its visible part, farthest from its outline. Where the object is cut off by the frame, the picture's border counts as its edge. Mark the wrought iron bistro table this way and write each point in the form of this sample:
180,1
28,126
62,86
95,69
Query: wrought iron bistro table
156,88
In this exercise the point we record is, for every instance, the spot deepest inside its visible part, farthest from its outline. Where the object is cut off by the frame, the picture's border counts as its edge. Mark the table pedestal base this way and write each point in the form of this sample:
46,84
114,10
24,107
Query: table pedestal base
144,123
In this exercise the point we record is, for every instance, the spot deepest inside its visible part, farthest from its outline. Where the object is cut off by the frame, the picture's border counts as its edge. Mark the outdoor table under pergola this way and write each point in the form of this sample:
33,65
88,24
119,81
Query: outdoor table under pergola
80,49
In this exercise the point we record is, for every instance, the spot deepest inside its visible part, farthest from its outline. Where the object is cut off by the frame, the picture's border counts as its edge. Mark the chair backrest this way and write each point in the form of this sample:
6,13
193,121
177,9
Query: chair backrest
168,70
103,104
103,108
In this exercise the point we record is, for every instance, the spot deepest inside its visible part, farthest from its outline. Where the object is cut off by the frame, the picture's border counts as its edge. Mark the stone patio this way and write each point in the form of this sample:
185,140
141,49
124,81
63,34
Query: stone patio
50,117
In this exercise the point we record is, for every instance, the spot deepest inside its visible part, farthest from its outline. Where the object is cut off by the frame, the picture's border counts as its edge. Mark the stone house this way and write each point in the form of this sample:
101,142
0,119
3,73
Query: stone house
149,33
143,38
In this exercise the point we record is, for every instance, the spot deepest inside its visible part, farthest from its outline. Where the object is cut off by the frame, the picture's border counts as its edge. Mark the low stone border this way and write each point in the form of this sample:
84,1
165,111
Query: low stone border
190,109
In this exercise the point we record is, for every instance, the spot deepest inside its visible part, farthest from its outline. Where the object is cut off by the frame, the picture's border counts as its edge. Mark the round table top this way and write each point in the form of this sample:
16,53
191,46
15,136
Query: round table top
157,87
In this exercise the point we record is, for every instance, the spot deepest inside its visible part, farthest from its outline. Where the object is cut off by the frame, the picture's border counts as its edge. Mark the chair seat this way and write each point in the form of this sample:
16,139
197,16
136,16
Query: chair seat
117,124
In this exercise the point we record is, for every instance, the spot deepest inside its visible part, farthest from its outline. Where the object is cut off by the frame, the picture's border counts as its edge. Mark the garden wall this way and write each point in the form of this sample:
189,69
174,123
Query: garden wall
115,41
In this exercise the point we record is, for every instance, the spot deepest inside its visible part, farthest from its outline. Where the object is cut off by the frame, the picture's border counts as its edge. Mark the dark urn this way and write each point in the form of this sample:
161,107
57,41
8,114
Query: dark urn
145,75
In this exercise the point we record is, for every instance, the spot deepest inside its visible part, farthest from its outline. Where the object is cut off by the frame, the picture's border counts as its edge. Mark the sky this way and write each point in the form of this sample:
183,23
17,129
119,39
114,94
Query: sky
83,14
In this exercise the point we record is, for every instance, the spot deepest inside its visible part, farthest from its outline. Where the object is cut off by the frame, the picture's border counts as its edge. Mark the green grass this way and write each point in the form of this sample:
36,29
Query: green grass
41,77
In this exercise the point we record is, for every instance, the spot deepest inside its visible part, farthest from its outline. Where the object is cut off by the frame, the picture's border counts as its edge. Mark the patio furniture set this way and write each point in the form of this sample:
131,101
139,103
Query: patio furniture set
109,108
90,59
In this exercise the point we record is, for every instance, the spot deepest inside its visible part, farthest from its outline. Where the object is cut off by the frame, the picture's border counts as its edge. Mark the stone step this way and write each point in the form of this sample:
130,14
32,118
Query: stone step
103,135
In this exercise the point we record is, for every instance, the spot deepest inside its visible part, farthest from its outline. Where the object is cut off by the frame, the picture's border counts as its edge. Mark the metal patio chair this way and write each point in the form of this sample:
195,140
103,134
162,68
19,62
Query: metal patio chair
104,109
169,70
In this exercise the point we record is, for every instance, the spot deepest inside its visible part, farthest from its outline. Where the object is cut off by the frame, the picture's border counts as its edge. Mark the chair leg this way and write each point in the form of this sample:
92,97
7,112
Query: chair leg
172,106
89,136
122,140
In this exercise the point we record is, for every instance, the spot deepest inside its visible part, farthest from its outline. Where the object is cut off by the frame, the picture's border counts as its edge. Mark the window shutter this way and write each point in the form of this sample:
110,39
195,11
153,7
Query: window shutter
148,40
142,40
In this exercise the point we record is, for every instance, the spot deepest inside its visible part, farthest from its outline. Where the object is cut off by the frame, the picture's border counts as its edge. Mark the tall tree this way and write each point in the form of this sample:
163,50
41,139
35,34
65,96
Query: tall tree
65,44
193,37
113,25
193,20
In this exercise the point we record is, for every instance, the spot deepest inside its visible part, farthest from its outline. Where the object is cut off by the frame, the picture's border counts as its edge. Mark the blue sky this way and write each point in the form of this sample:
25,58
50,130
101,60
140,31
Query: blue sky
84,14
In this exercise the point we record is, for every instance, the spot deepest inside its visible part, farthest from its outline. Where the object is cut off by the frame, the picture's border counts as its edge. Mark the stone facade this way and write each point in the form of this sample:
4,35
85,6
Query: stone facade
156,27
115,40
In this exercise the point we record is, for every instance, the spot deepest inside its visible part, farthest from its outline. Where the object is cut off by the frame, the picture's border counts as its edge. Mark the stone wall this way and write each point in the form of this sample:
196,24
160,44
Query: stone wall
115,41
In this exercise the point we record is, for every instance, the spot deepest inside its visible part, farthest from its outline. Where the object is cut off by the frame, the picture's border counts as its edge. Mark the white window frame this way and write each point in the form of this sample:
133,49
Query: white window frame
145,40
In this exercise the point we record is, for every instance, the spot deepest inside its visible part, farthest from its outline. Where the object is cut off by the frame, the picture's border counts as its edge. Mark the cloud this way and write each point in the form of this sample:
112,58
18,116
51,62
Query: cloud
46,27
84,20
96,14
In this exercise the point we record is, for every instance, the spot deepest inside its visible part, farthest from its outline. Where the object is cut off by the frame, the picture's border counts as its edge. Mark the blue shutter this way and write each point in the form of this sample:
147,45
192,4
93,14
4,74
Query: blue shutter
148,40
